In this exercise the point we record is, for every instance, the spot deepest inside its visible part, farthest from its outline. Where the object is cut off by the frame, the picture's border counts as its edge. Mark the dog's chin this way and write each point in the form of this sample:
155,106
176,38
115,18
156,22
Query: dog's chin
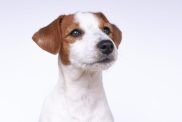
97,65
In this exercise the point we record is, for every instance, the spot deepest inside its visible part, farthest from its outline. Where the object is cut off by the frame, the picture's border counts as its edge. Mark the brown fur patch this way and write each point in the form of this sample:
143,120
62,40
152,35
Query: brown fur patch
116,34
67,26
48,38
55,37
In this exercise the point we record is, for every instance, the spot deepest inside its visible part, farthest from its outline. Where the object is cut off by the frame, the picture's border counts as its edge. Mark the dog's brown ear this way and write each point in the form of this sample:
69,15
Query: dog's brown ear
49,37
101,15
117,35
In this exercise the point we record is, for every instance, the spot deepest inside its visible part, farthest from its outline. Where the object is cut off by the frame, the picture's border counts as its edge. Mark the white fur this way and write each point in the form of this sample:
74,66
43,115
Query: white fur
79,95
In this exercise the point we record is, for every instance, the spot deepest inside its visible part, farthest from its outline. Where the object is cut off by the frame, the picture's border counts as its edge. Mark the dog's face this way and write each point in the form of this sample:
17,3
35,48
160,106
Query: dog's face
84,40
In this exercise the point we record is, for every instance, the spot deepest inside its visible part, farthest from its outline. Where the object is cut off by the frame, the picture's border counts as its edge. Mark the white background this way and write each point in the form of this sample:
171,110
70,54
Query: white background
144,85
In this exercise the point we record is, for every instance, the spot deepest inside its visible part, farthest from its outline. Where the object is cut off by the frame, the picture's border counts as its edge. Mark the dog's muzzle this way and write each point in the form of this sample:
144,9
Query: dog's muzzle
105,48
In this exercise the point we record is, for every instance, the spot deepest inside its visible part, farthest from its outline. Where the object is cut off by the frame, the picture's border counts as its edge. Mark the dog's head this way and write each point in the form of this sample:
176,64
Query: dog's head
84,40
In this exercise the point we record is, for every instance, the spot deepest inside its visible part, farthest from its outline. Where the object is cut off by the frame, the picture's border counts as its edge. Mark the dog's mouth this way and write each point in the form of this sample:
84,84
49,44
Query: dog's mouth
105,60
101,63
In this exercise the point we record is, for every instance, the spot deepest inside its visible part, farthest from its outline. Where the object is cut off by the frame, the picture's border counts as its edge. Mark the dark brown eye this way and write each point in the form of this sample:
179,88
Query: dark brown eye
106,30
76,33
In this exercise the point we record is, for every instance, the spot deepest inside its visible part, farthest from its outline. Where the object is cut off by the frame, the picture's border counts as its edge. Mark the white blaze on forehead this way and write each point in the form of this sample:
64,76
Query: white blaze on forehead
87,20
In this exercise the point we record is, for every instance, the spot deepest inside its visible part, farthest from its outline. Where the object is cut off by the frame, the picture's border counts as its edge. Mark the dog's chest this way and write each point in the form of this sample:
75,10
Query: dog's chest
80,107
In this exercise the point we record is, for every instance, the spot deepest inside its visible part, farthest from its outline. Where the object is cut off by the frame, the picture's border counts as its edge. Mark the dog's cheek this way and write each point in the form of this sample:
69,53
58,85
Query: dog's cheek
75,52
64,53
66,49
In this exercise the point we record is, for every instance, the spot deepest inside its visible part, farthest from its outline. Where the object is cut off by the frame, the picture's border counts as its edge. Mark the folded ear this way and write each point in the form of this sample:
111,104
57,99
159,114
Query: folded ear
101,15
49,37
117,35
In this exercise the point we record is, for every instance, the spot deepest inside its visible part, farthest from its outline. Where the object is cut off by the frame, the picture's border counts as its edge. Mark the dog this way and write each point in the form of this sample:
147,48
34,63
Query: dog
87,44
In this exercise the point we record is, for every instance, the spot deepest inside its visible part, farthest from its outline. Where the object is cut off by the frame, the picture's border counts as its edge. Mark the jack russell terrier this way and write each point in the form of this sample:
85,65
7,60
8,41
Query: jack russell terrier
87,44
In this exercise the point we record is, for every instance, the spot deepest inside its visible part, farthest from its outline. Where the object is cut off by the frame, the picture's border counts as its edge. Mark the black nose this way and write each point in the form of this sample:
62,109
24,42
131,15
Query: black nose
105,46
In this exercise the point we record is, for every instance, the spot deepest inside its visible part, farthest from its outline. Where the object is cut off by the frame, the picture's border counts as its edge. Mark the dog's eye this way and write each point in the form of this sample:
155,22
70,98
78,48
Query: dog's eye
106,30
76,33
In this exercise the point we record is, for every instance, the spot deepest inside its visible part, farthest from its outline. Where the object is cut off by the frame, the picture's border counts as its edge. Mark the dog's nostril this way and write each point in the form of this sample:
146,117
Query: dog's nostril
105,46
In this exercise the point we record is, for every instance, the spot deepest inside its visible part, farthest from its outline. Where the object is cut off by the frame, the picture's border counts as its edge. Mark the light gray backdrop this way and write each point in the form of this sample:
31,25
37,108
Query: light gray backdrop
144,85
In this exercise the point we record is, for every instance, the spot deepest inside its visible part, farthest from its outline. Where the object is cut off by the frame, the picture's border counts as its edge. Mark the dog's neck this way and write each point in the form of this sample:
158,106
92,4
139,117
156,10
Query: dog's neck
83,90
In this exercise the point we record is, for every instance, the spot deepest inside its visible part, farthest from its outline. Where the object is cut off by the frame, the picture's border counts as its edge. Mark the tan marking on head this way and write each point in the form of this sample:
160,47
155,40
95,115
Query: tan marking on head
115,34
68,24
